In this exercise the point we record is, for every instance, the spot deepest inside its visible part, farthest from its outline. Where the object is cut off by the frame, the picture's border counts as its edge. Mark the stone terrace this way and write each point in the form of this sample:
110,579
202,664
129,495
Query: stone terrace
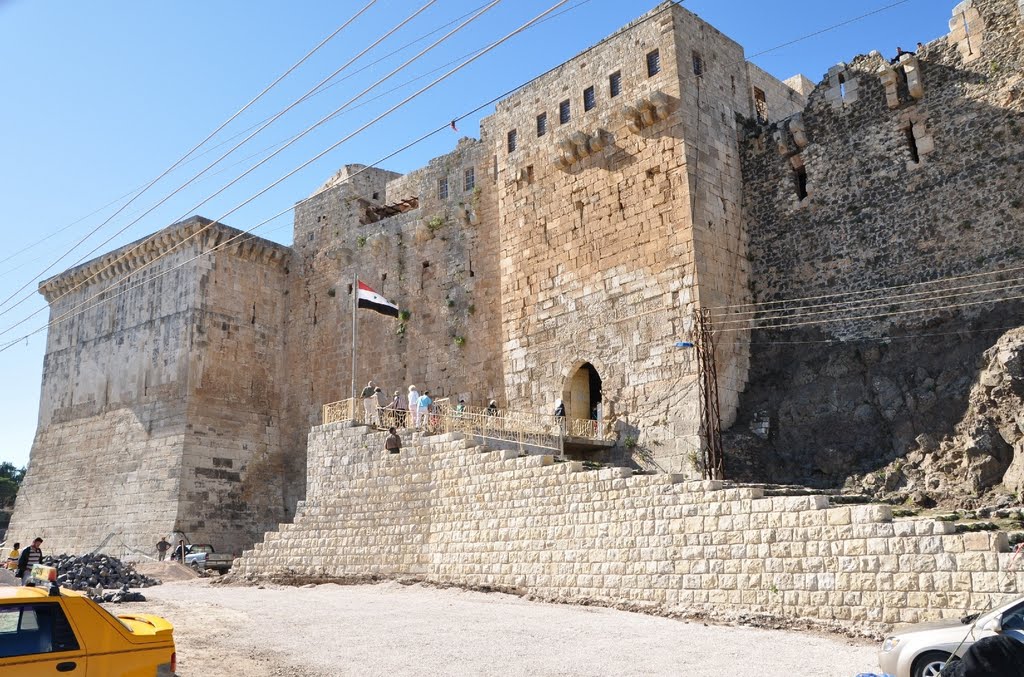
447,511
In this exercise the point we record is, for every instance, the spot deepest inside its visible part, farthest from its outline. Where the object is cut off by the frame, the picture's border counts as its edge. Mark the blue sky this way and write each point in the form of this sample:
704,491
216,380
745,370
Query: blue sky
100,98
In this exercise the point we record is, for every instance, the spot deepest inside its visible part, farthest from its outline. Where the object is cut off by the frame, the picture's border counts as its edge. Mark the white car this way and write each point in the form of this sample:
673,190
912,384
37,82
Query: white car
922,649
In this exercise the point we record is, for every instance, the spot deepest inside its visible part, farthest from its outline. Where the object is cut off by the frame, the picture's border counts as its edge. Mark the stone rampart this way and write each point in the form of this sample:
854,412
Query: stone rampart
160,408
447,511
893,175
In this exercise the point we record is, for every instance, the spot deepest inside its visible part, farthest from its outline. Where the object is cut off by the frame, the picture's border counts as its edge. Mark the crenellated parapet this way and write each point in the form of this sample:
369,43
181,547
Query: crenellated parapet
199,232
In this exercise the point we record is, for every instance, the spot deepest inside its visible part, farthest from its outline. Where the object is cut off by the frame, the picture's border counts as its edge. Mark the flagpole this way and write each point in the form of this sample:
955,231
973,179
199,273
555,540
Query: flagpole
355,305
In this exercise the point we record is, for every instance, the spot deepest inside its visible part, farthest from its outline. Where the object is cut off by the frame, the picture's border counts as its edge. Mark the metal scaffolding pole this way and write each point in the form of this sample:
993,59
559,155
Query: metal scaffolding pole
710,419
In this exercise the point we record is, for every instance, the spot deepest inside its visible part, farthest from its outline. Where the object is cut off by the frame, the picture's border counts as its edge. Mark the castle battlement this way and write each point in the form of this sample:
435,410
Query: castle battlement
129,258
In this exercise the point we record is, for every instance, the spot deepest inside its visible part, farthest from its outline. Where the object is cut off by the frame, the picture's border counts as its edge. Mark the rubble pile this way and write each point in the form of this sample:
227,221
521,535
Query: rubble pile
982,463
95,571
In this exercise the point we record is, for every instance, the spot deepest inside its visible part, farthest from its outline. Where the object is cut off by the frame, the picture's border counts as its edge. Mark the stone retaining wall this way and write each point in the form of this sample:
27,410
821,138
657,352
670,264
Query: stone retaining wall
446,512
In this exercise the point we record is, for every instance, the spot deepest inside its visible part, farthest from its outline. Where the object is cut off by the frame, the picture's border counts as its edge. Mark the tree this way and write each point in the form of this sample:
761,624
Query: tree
10,481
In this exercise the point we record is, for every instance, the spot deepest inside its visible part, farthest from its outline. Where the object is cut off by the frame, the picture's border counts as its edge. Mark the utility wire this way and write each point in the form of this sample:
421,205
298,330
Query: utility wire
443,77
184,157
877,315
177,190
509,92
213,147
941,280
884,302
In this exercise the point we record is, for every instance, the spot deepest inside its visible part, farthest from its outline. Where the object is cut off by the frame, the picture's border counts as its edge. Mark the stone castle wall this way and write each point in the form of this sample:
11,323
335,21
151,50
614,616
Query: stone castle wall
448,512
149,421
832,397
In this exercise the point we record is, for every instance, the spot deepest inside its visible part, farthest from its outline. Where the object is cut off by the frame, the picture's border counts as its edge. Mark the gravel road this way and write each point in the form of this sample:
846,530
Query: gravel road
394,630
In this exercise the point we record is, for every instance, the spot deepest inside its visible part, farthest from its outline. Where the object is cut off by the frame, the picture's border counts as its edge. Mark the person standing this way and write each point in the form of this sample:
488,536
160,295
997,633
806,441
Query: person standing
31,556
400,406
369,402
414,405
12,558
423,410
559,409
382,404
492,408
393,443
162,546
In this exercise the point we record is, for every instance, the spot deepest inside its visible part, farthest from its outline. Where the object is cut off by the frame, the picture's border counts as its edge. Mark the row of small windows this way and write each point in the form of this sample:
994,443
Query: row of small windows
468,183
589,100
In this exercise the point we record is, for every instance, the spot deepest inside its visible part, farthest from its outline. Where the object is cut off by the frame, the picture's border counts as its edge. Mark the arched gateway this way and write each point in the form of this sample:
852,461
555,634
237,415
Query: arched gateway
582,393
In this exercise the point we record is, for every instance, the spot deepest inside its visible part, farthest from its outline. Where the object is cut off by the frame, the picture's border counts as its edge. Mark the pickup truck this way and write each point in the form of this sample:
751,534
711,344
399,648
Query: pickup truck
202,556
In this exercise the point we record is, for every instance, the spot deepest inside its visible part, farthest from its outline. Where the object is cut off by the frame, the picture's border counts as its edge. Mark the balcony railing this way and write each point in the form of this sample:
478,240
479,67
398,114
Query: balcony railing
522,428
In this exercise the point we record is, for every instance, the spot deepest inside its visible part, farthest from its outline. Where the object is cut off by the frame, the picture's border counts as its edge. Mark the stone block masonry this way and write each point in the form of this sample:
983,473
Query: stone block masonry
160,408
447,511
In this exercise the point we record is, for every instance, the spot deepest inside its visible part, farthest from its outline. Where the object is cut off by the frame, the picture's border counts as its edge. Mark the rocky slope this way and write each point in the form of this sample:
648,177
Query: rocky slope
984,455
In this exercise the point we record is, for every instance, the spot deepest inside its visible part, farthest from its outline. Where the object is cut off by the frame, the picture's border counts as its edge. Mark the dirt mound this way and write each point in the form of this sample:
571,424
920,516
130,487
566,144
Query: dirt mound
166,571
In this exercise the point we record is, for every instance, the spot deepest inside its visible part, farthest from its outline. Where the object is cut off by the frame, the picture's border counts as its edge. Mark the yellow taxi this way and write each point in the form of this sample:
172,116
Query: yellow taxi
48,631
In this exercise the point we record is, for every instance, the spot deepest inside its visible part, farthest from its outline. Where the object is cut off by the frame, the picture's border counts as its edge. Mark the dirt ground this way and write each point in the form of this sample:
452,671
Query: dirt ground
395,630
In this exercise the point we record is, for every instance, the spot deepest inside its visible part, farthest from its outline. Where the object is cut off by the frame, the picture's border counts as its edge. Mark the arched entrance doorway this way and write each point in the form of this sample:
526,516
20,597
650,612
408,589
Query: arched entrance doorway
582,393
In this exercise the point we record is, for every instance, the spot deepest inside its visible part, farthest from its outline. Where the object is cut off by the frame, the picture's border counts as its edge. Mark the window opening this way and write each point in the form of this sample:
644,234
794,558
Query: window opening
653,63
915,155
698,64
564,112
542,124
967,32
800,179
529,173
760,105
426,264
376,196
615,83
733,78
842,86
589,99
469,181
442,188
512,140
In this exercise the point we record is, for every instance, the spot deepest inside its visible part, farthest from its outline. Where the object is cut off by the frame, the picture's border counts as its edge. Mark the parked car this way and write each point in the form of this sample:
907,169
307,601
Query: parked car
202,556
46,630
922,649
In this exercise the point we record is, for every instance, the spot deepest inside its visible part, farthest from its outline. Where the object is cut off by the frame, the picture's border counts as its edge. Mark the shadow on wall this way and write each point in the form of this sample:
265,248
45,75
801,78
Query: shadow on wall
818,413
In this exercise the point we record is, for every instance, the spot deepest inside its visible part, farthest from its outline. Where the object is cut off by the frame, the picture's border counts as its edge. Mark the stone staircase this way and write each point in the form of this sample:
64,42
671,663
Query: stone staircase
451,511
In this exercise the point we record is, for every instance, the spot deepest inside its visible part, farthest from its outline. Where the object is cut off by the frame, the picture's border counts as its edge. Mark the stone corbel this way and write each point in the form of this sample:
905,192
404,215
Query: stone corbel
632,116
887,74
781,142
913,70
798,131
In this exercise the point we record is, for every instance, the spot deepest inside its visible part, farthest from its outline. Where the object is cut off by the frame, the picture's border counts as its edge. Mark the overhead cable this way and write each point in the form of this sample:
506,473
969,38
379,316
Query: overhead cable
482,52
177,190
184,157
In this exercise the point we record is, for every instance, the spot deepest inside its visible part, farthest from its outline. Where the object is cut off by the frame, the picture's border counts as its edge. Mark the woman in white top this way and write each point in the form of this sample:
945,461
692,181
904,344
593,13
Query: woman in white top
414,405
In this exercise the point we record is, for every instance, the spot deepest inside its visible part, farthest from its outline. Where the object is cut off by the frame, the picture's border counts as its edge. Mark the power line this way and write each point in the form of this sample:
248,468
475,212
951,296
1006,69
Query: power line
509,92
878,315
443,77
885,302
224,155
213,147
186,155
875,289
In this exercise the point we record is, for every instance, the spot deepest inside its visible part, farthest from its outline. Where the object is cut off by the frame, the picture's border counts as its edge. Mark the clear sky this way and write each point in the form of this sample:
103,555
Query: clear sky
98,98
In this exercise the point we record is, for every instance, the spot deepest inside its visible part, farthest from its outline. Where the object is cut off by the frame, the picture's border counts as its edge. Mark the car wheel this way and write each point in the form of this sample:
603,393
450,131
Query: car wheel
195,565
930,664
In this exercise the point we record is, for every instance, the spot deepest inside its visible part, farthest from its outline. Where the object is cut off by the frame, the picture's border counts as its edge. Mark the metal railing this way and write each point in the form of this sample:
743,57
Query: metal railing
525,429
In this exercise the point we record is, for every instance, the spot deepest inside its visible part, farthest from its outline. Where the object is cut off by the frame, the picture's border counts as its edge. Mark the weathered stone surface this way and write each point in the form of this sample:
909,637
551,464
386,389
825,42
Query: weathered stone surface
447,511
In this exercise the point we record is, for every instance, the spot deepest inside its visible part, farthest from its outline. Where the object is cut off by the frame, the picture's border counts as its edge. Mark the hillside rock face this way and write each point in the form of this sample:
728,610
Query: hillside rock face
985,451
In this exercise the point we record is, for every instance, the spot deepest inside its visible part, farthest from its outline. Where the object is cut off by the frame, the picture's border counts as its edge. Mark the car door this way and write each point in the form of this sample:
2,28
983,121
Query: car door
36,639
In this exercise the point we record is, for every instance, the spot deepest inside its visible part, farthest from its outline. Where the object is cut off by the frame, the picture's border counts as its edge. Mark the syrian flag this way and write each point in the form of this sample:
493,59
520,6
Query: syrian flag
367,298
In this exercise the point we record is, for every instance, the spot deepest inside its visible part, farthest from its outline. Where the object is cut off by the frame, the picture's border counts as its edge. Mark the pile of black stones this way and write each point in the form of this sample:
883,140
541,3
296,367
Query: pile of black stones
95,572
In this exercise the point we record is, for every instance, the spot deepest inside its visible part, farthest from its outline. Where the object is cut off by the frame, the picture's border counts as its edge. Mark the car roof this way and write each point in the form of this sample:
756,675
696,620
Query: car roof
16,592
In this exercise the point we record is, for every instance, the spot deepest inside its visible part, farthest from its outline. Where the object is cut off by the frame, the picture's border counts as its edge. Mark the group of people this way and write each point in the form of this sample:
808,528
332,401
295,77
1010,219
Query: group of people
400,410
21,561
